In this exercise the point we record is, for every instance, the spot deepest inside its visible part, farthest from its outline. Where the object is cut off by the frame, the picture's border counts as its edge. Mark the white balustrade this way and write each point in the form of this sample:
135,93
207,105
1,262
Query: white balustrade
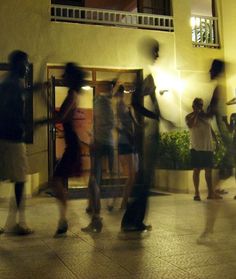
111,17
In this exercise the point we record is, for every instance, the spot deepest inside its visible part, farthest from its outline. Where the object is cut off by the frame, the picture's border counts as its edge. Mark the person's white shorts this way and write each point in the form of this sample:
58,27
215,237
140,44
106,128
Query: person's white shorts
13,161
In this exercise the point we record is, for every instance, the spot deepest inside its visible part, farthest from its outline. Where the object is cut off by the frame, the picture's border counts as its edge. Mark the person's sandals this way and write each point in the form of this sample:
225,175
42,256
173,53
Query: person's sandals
62,228
221,191
196,198
140,228
215,197
88,210
22,230
95,226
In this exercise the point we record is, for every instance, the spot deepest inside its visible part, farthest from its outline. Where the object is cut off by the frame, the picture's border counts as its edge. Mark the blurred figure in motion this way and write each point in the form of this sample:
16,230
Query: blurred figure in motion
216,70
201,140
133,219
211,210
231,127
101,147
14,163
217,109
70,163
126,143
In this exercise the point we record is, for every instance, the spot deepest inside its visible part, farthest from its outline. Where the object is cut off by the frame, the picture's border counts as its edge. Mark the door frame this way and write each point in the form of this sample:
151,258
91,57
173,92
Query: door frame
92,83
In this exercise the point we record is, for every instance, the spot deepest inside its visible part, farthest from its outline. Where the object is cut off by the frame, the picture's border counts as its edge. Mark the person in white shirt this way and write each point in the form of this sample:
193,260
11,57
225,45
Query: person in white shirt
201,140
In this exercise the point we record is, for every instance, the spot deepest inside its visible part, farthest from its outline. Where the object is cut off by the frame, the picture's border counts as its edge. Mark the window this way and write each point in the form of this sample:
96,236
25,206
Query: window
204,23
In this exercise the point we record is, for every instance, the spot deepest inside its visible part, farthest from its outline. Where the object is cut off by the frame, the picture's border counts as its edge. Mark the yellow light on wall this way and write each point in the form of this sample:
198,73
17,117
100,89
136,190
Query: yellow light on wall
161,92
86,87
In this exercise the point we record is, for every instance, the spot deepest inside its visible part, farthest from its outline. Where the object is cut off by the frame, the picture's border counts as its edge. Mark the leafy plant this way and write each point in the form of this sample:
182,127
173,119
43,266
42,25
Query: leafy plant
174,151
220,153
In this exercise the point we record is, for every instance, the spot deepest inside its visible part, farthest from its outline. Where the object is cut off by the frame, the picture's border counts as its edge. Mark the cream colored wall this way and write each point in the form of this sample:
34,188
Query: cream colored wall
27,26
188,57
192,63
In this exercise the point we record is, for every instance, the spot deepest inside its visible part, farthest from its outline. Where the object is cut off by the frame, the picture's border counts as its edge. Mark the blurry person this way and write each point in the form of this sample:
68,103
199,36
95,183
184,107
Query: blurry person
231,127
201,140
215,106
216,70
70,163
101,147
133,219
211,212
14,163
217,109
126,143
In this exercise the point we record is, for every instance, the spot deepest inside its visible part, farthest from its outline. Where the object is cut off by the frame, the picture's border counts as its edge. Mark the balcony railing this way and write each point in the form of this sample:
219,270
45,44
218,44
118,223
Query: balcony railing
110,17
205,31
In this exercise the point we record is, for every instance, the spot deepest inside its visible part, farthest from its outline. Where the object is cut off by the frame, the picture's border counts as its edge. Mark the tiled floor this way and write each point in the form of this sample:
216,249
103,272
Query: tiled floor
171,250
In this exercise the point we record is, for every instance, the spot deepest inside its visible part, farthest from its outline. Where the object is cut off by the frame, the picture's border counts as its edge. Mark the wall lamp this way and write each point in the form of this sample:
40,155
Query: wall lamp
161,92
86,87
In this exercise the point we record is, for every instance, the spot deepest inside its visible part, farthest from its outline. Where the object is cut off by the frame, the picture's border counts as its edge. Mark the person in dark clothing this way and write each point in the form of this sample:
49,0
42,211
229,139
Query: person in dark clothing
70,163
14,163
133,219
217,109
231,148
101,147
127,150
216,70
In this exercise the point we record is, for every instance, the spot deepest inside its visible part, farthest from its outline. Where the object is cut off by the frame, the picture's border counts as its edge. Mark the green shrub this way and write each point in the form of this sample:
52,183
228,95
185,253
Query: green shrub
174,151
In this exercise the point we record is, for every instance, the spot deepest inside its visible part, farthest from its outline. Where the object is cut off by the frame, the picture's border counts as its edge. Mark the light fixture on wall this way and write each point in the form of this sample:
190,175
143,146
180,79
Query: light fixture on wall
233,100
129,91
161,92
86,87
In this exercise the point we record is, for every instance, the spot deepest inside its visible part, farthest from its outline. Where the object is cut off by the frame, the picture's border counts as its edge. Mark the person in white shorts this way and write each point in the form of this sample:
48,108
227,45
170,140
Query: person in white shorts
14,163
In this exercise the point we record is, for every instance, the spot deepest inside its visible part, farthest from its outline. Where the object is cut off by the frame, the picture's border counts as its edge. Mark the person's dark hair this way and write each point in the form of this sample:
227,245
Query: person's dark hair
233,116
217,67
196,101
149,47
74,76
16,57
120,91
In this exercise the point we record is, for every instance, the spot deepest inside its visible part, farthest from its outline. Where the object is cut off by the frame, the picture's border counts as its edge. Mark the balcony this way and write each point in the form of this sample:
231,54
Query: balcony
111,18
205,31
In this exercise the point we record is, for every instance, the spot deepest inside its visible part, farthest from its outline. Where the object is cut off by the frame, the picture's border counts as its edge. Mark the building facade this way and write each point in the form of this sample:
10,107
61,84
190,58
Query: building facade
190,36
